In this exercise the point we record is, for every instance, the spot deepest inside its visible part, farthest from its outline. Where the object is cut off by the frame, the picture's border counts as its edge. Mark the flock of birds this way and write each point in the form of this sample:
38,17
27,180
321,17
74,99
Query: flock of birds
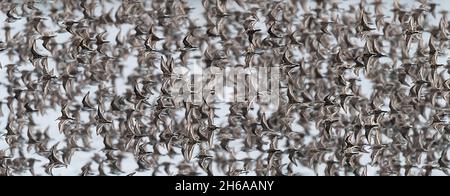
325,123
